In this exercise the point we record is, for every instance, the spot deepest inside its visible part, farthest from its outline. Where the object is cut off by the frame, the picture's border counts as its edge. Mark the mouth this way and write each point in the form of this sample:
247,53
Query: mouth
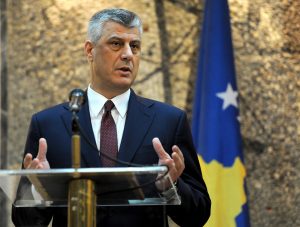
124,69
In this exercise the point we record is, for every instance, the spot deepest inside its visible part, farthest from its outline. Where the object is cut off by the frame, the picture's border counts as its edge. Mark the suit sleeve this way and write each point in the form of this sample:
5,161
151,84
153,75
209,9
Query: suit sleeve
195,202
30,216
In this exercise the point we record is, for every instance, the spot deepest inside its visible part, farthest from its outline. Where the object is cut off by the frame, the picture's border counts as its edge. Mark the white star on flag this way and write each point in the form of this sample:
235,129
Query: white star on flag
229,97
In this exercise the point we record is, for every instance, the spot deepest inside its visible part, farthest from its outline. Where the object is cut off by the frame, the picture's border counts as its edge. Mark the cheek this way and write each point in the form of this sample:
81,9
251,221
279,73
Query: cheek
136,63
105,63
105,55
111,60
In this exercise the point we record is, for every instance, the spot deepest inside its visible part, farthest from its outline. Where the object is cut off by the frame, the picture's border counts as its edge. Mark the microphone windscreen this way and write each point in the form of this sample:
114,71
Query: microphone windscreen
77,99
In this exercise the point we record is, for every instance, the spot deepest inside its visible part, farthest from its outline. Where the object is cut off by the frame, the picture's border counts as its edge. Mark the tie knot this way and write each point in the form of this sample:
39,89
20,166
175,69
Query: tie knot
108,105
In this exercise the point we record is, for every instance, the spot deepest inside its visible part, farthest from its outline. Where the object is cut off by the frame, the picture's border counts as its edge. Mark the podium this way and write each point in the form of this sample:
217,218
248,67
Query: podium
84,189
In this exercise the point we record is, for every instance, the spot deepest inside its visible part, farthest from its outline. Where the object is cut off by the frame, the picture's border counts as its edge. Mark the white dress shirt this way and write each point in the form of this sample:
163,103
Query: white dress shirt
119,113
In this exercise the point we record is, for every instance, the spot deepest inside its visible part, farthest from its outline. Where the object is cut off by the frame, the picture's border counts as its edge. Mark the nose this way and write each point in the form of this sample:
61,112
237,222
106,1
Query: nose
126,54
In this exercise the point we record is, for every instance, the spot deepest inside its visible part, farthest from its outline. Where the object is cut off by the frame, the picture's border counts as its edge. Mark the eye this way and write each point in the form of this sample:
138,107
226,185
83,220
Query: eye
135,47
115,44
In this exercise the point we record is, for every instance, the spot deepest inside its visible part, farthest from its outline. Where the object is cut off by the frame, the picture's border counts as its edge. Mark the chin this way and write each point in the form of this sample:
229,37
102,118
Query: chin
122,85
125,81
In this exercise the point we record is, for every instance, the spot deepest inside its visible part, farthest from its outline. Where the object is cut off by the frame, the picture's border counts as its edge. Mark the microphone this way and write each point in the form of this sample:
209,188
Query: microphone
77,99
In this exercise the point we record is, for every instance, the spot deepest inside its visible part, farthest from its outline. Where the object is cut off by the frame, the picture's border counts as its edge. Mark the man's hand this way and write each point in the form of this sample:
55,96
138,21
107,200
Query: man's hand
174,163
40,162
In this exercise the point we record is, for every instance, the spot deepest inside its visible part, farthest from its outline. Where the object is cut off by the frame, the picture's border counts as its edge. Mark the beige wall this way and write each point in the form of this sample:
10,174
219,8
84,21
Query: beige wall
46,60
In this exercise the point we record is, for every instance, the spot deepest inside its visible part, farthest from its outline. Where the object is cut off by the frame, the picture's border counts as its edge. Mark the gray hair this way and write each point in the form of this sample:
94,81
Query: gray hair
120,16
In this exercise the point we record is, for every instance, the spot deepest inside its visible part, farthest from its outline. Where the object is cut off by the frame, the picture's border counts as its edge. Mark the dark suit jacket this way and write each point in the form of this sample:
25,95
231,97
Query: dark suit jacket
145,120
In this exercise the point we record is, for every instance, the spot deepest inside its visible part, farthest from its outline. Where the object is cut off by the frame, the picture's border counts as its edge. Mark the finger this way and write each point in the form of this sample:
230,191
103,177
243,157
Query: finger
42,150
168,162
35,163
177,154
177,158
162,154
27,160
177,150
179,162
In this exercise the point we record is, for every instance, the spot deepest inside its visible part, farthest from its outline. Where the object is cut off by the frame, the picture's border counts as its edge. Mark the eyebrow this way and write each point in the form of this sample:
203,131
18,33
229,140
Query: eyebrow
120,38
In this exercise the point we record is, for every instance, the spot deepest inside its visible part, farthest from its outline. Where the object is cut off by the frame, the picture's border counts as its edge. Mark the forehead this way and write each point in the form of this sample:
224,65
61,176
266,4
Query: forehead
113,29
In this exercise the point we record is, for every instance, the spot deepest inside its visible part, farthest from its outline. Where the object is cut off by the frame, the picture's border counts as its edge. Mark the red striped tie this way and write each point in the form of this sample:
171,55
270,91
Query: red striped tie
108,136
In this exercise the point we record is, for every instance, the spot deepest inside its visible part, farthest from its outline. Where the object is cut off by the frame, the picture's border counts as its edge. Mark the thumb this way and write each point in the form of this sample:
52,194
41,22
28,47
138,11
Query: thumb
162,154
42,150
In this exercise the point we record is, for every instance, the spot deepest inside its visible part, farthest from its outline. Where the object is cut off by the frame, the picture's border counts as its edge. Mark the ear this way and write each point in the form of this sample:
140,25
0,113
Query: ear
88,48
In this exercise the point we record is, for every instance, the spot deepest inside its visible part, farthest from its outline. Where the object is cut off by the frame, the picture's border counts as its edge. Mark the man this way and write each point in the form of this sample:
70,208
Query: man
113,51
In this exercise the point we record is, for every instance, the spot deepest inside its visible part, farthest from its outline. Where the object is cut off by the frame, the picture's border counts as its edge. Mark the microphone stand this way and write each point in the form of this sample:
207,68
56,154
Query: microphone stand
81,197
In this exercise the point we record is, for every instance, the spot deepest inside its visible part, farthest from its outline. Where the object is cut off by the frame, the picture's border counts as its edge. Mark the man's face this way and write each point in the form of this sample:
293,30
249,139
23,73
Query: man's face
114,59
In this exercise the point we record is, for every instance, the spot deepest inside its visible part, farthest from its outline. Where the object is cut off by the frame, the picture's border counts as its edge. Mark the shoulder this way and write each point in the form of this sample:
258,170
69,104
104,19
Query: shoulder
158,107
52,112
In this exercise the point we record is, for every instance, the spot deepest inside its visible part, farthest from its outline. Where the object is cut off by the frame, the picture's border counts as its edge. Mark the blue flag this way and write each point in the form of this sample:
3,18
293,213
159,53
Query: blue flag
215,125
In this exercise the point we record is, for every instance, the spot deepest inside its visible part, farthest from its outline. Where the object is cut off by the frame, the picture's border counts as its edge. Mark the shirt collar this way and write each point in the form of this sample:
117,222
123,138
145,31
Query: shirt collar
97,101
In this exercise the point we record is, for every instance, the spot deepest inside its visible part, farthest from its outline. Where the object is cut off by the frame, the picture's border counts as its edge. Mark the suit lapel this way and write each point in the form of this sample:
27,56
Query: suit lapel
89,155
138,120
